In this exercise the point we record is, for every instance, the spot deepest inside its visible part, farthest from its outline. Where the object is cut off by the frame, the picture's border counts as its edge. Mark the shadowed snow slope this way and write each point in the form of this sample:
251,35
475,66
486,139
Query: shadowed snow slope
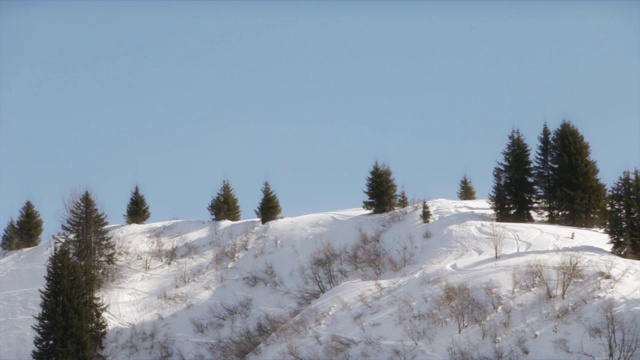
347,284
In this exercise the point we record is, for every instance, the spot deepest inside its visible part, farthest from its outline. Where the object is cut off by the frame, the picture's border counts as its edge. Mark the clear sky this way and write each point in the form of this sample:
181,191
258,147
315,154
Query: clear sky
177,96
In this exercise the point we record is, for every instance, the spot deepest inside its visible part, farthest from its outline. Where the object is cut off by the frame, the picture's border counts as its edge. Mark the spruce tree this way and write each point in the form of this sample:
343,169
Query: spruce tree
623,216
70,323
466,191
137,210
29,226
403,201
225,205
513,190
10,237
577,197
269,208
89,241
543,170
381,190
426,213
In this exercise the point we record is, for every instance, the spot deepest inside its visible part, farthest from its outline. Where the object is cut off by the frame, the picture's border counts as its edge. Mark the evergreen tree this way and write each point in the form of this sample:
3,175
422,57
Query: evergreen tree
89,241
403,201
29,226
225,205
426,213
623,218
137,210
70,323
466,191
577,197
10,237
269,208
543,170
381,190
513,190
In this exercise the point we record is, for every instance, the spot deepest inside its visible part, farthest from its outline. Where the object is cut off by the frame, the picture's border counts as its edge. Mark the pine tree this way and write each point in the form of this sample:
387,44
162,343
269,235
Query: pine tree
137,210
269,208
89,241
426,213
623,216
381,190
403,201
543,170
10,237
70,323
513,190
577,196
466,191
29,226
225,205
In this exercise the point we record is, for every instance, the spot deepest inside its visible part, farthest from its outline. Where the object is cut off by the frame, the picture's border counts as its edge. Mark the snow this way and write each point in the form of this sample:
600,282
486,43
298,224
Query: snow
175,277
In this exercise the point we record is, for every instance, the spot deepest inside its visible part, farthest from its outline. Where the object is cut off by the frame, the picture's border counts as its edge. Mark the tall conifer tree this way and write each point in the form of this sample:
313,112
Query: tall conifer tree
381,190
543,170
137,209
623,217
577,197
269,208
466,191
70,323
225,205
29,226
89,241
513,190
10,240
425,215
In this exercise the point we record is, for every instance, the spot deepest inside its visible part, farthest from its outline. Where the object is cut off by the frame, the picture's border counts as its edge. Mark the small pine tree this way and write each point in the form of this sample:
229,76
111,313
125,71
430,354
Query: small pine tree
577,197
513,190
623,218
89,241
70,324
10,237
381,190
403,201
466,191
29,226
543,170
225,205
137,210
426,213
269,208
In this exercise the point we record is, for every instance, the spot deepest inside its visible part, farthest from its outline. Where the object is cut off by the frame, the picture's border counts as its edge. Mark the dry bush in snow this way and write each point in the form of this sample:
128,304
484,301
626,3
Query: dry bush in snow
461,305
619,336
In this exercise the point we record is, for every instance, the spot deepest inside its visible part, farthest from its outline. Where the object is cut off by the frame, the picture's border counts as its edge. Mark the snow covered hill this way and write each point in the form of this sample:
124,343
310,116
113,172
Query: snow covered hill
348,284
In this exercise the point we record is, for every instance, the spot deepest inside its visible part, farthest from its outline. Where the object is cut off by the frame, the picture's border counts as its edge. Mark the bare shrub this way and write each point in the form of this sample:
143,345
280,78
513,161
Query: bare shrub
246,340
407,252
568,270
229,252
265,276
427,235
326,269
368,254
496,241
337,346
459,302
620,337
413,321
492,295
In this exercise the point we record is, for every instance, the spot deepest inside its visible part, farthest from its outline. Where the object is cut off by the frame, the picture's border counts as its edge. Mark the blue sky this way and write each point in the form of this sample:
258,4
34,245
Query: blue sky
177,96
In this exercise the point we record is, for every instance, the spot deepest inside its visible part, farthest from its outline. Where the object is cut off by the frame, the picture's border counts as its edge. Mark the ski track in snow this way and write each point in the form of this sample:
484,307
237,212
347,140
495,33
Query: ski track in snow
150,292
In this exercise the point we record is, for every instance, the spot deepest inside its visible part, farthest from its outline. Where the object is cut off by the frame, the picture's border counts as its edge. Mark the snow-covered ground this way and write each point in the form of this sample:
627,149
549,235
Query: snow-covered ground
347,284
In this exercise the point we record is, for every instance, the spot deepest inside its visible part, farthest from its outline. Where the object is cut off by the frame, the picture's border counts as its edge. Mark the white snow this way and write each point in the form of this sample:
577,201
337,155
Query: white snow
164,304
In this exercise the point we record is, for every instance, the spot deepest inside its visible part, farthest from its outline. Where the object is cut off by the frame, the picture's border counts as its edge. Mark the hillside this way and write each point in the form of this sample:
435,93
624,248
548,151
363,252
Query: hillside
348,284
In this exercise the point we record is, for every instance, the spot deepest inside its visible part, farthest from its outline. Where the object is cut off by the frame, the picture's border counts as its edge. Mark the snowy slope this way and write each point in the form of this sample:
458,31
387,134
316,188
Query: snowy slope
199,289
